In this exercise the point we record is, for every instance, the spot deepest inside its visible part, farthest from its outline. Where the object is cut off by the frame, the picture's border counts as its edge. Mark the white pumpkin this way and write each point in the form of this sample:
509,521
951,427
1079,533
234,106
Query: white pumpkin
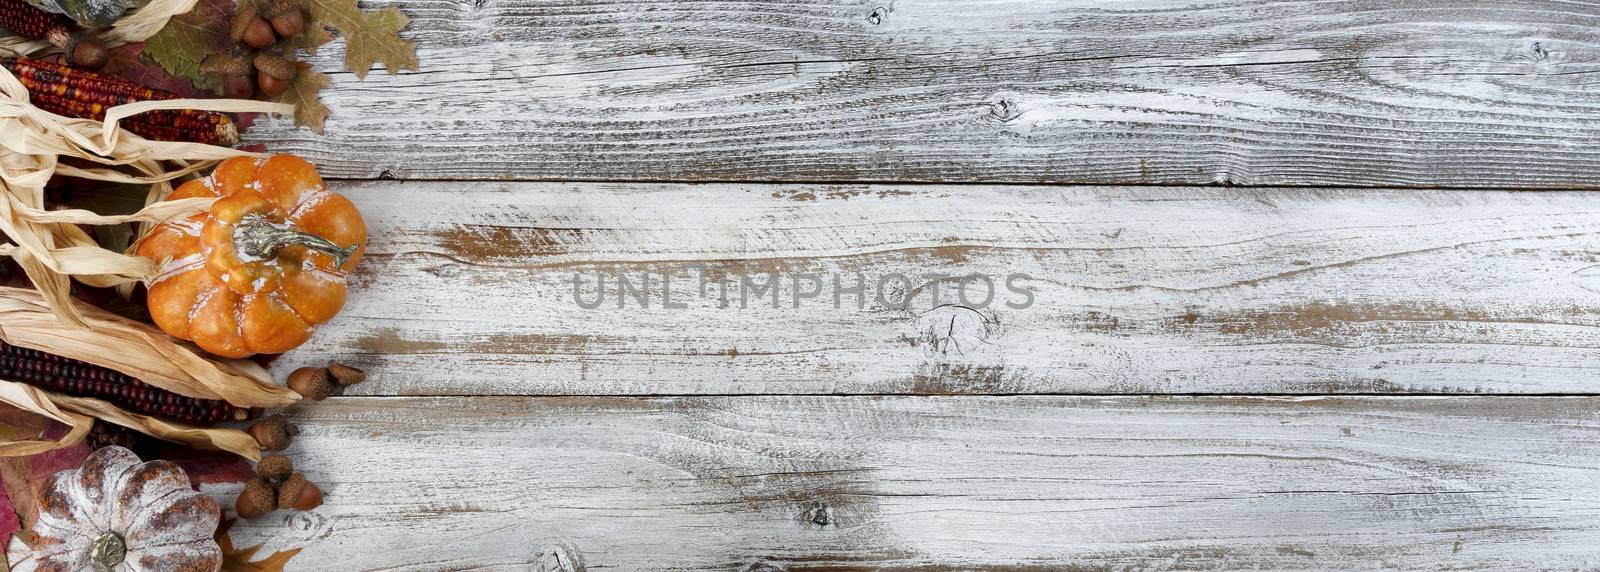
117,514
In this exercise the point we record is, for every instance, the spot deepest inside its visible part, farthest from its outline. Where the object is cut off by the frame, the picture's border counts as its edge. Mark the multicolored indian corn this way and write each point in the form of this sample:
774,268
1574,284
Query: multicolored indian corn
66,375
71,92
23,19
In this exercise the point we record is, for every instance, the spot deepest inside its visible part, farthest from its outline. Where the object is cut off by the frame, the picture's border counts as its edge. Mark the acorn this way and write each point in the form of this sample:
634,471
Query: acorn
299,494
345,375
275,468
244,15
273,432
89,54
258,34
275,73
238,87
79,49
313,383
237,69
257,499
289,24
287,16
271,86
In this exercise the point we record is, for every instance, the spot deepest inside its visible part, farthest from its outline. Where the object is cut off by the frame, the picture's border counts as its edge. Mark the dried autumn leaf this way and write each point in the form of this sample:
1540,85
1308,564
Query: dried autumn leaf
129,63
315,36
236,560
370,37
302,94
189,38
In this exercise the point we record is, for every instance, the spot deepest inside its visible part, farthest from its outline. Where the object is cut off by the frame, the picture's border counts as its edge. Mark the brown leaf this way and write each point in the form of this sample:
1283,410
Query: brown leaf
370,37
302,94
235,560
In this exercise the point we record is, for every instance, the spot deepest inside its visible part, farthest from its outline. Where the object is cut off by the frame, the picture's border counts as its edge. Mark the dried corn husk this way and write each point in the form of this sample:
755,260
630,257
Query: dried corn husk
79,414
206,438
137,349
37,401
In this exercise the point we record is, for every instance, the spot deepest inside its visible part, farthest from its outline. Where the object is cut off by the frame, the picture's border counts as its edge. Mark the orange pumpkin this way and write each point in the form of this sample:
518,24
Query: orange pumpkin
263,266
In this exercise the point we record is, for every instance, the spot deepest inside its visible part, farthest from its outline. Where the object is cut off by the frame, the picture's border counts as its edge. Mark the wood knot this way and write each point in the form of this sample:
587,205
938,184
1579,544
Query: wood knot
1004,110
878,15
307,525
955,329
559,558
449,270
1538,55
817,513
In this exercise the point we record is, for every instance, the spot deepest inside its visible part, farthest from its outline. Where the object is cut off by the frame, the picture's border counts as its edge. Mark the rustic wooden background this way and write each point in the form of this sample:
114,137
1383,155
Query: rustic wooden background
1316,288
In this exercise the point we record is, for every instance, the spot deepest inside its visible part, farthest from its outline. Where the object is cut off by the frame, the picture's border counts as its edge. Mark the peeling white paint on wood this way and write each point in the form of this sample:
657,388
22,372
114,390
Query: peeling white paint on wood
468,289
1425,93
944,483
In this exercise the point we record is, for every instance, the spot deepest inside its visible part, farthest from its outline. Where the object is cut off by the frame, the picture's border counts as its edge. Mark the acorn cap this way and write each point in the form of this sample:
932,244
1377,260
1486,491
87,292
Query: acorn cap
246,13
299,494
346,375
276,66
233,63
275,468
257,499
274,8
273,432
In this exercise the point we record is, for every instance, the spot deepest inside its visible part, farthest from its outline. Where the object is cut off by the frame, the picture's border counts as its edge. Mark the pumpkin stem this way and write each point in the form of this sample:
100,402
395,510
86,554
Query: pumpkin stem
261,238
108,550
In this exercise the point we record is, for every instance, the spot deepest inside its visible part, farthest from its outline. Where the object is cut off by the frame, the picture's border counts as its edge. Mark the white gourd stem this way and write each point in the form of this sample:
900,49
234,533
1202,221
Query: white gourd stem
108,550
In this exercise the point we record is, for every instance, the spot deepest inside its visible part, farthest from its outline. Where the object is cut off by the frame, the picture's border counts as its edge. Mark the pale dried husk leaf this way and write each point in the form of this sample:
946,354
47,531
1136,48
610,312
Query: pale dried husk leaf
79,413
37,401
204,438
136,349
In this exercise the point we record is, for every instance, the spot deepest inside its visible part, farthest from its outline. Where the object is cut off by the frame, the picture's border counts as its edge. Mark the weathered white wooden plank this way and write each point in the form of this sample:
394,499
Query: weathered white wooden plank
1411,93
945,483
469,289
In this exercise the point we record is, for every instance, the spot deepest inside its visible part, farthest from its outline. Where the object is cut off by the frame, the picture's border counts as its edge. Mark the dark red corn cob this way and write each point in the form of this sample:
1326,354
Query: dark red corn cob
28,21
59,79
23,19
160,125
78,93
72,377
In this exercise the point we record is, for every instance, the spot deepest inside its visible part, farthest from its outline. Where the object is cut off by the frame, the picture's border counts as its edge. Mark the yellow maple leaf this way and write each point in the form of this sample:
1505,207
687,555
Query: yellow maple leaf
302,94
370,37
